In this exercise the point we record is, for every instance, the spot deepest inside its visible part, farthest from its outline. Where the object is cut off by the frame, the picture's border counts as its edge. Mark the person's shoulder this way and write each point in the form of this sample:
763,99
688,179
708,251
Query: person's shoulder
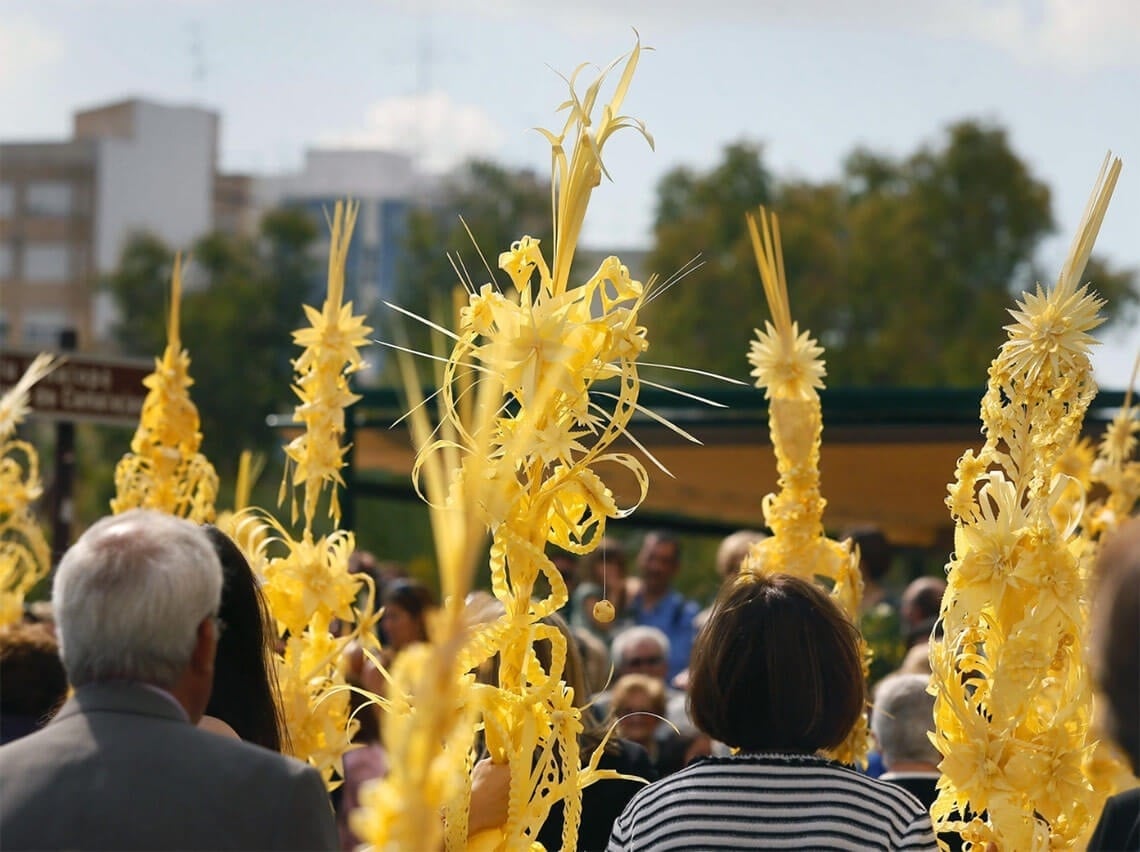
218,747
13,752
689,606
895,796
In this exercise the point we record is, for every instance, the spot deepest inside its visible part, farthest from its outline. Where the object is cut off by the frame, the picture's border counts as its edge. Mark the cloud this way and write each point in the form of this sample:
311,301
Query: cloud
1070,35
27,47
432,127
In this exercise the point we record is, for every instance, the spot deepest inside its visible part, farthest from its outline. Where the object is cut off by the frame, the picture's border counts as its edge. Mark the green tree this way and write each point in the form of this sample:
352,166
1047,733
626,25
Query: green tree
242,298
903,268
705,320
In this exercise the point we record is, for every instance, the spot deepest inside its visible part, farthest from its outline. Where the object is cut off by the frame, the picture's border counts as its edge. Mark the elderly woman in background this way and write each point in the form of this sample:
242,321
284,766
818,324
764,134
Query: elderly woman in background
777,676
638,706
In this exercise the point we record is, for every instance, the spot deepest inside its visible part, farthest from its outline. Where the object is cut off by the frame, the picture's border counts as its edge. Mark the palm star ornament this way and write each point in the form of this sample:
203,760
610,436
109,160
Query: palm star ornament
305,576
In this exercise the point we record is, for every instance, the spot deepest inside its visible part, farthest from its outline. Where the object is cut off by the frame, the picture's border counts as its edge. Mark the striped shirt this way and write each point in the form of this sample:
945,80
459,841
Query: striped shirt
772,801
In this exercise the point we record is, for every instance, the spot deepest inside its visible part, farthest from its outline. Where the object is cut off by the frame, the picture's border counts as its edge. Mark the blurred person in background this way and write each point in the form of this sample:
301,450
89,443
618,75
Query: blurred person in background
408,605
597,666
730,553
645,651
1115,652
638,707
245,701
902,713
658,604
879,617
33,683
919,607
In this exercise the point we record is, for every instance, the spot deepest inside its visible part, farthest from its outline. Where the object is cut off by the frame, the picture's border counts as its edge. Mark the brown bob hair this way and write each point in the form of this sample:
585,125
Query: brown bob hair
777,667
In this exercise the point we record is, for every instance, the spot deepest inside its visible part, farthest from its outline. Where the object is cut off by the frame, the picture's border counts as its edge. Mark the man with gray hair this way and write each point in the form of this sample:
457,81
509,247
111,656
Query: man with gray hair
122,765
902,713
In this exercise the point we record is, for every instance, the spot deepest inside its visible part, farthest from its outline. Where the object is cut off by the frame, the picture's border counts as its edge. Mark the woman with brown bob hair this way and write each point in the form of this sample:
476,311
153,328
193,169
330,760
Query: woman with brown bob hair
776,675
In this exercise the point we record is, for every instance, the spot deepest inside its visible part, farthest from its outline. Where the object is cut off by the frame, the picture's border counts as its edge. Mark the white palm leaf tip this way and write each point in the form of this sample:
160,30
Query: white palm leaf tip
1050,332
786,363
15,405
1014,735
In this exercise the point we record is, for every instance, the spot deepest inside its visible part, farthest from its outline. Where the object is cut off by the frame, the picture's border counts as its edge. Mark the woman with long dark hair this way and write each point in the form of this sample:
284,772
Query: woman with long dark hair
245,695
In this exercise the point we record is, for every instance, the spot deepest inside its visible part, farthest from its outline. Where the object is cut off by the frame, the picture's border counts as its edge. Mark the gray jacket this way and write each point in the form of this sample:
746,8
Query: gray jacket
120,768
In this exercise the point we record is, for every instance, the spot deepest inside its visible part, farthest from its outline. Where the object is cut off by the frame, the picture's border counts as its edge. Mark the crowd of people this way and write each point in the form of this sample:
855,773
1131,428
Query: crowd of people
144,712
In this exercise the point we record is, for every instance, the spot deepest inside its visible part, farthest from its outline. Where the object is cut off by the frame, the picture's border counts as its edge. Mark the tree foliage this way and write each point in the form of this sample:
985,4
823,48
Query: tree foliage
243,298
904,268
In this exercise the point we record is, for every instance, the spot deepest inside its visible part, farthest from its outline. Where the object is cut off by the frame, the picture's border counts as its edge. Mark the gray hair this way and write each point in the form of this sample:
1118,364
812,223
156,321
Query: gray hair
129,596
629,637
901,714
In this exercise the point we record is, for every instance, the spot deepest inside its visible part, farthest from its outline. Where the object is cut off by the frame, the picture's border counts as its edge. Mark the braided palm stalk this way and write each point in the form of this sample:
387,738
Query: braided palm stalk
787,364
164,469
1012,693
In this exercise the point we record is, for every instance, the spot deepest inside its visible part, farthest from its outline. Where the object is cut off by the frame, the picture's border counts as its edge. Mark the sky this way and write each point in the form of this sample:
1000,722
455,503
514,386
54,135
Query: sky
448,79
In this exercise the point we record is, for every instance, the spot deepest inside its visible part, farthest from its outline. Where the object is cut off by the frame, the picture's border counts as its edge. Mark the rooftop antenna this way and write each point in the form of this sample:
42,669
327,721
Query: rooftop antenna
424,59
197,61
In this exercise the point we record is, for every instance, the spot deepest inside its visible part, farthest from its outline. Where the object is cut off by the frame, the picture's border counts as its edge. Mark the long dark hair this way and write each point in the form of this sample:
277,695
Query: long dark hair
245,695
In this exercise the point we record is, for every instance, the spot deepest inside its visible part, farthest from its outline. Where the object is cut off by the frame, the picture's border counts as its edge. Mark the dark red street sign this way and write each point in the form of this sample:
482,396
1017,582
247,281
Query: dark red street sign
83,388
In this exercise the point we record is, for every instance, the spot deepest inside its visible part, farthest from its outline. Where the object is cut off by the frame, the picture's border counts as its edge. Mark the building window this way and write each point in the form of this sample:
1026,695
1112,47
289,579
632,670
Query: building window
47,198
42,329
7,200
47,262
6,253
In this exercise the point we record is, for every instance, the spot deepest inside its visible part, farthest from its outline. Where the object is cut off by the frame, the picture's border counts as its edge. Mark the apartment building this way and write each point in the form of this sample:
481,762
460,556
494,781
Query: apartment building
68,207
385,184
47,241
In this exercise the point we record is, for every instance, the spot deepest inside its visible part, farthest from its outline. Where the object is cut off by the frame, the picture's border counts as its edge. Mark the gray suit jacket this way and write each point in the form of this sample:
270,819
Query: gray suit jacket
119,768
